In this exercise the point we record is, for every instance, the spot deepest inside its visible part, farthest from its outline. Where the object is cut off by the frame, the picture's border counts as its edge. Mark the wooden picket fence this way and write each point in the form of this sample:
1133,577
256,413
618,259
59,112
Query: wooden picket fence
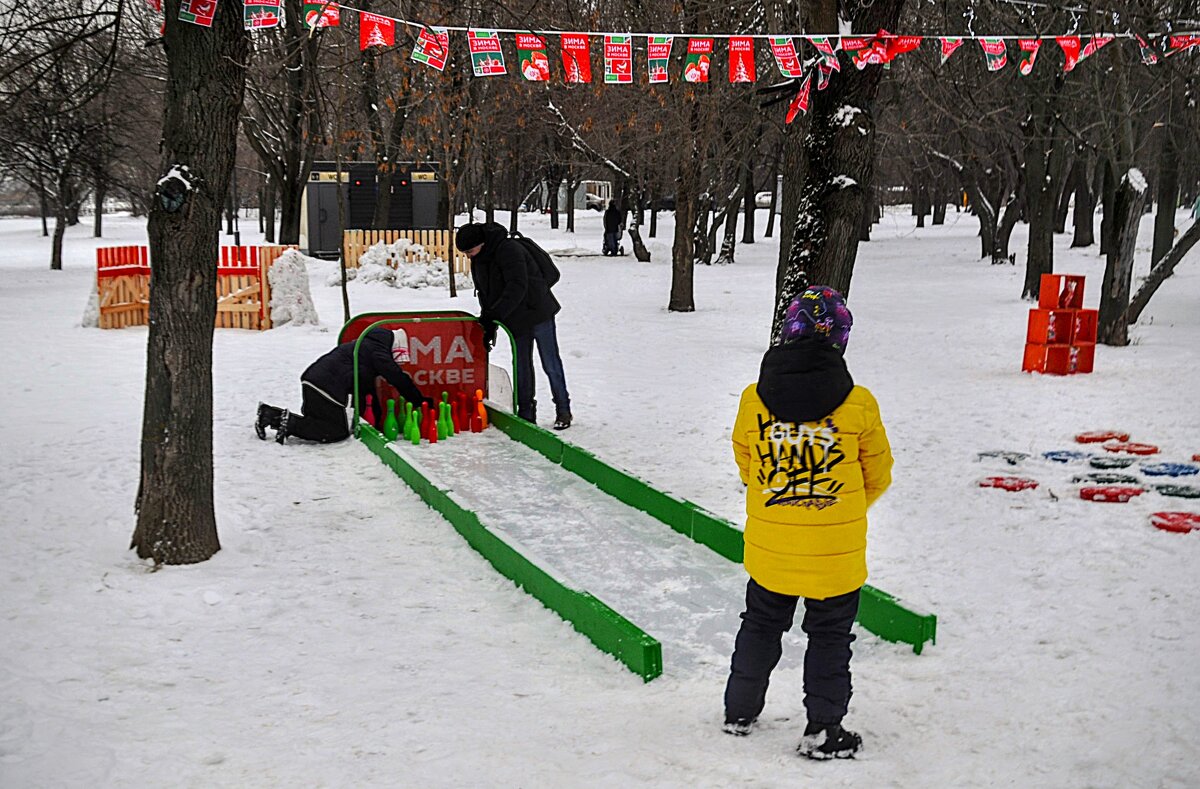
243,287
435,243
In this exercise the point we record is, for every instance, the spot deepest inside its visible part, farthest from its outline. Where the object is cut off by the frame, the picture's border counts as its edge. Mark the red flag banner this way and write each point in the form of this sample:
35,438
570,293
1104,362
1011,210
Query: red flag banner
995,51
949,47
658,57
577,63
258,14
1149,56
866,51
699,60
898,45
800,103
531,52
198,12
741,59
487,58
829,49
322,14
1093,46
432,47
375,31
618,60
1029,50
1070,47
1176,44
784,50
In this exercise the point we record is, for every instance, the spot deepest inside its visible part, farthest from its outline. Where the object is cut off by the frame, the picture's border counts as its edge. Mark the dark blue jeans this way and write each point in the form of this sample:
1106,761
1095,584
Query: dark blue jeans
547,344
759,646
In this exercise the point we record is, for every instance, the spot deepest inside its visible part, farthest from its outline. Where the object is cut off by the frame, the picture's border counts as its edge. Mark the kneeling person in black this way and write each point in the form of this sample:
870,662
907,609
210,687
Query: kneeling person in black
328,384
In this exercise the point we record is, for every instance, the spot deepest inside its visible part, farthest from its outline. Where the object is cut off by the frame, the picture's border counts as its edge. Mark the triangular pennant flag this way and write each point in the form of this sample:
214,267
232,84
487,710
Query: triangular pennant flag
829,49
800,103
865,51
1176,44
487,59
375,31
322,14
432,47
741,59
259,14
577,63
198,12
1149,56
784,50
824,72
995,51
1070,47
949,46
531,52
1029,50
898,45
699,59
618,60
1093,46
658,57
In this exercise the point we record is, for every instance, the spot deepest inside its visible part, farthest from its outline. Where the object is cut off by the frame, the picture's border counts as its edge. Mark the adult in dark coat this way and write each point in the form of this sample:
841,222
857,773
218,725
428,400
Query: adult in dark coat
514,290
328,384
613,219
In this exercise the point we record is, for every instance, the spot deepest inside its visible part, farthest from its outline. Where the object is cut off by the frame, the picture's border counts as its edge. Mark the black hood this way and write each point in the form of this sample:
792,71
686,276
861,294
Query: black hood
494,235
803,381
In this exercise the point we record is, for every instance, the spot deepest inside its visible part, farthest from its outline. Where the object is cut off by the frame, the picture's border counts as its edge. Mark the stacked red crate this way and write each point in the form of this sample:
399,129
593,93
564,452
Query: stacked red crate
1061,338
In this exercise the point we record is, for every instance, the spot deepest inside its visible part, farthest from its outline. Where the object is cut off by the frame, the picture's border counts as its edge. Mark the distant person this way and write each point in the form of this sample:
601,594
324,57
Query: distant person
328,384
812,451
514,289
613,220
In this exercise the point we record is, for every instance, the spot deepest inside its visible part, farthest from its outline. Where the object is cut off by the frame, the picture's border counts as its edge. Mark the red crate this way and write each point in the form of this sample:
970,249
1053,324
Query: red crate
1084,329
1061,291
1052,359
1050,327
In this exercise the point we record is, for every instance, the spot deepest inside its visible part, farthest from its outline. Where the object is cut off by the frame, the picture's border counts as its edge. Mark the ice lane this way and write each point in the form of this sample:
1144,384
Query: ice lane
677,591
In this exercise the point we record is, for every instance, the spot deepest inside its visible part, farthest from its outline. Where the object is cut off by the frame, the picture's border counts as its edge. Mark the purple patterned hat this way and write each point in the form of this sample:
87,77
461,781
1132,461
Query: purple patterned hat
821,313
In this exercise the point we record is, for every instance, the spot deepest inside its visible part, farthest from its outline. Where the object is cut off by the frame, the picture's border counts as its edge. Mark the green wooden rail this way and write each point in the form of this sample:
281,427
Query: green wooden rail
606,628
878,612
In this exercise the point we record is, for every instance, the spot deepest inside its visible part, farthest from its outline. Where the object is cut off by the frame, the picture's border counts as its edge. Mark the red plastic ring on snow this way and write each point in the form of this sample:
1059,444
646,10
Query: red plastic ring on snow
1178,522
1132,448
1008,483
1096,436
1118,494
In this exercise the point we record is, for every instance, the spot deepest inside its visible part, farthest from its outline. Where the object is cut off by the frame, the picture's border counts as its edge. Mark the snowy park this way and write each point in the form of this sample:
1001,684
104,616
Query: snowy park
860,447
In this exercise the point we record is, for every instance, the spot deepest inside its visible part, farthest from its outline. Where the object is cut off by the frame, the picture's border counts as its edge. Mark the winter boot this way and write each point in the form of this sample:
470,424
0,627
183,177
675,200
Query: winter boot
268,416
282,433
738,727
562,421
828,741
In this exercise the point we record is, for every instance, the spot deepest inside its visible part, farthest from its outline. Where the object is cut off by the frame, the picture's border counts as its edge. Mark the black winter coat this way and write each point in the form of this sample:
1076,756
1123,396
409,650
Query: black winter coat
612,220
333,373
510,284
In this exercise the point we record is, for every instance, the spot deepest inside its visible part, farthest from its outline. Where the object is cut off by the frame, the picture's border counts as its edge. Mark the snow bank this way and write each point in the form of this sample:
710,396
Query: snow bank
91,313
388,263
291,300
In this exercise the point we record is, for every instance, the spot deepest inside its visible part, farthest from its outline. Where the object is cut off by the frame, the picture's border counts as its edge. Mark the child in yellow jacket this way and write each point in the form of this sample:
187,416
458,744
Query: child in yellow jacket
814,456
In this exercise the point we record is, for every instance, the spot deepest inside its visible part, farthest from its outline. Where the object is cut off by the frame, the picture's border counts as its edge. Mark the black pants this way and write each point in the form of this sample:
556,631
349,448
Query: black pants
759,646
320,418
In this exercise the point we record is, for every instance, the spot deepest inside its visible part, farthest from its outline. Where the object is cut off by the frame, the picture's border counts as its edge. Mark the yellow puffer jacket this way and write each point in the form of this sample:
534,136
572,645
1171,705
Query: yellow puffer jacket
808,489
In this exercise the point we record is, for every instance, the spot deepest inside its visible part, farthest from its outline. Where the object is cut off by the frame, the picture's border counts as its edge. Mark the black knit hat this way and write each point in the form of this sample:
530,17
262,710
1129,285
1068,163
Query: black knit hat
469,236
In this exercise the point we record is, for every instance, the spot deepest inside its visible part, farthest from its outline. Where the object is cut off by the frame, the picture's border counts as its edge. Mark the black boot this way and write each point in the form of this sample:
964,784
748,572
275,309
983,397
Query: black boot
828,741
282,433
268,416
562,421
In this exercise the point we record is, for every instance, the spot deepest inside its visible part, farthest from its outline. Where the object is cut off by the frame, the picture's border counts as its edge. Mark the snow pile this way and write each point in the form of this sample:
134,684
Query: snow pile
91,313
387,263
291,300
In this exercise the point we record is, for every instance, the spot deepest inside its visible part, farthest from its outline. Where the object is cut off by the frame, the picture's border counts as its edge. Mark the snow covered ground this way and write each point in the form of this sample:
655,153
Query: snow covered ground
345,636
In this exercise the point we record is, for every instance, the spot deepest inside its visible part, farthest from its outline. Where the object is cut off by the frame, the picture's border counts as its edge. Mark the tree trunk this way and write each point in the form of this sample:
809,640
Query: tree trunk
56,243
939,205
1166,193
552,189
1108,191
794,167
205,87
44,208
748,200
840,153
653,215
1044,157
269,211
291,192
1065,188
1085,207
572,187
683,247
98,216
1118,267
1161,270
920,203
